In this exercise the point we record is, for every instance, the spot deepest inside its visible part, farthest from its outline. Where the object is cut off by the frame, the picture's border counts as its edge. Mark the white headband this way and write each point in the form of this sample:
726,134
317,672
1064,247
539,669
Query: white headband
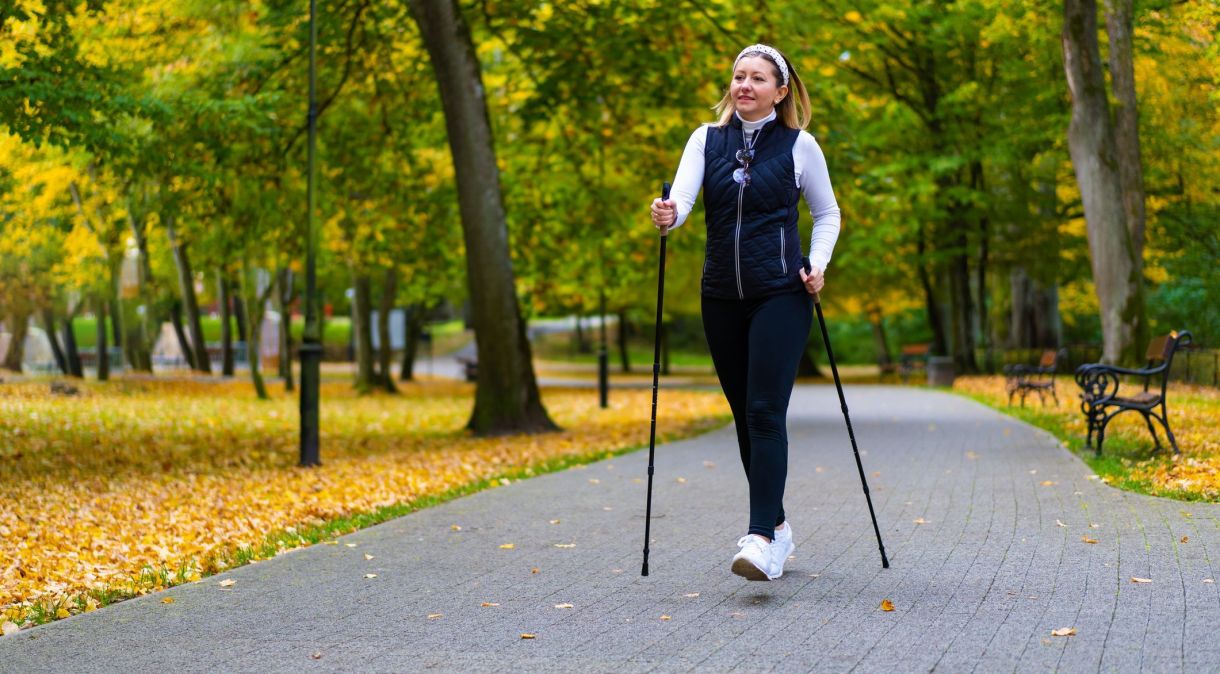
769,51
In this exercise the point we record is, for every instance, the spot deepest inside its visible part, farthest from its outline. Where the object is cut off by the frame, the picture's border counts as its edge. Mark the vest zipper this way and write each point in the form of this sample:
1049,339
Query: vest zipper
737,242
783,257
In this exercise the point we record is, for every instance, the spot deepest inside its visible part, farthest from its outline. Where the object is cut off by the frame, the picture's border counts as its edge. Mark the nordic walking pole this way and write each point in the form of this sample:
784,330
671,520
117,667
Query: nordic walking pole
817,304
656,373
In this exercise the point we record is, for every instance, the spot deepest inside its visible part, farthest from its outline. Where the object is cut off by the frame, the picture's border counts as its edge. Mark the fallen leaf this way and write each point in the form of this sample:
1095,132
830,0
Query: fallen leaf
1094,526
691,594
1140,580
490,603
330,542
708,464
876,473
368,556
1185,539
972,455
167,600
434,616
350,545
665,617
527,635
370,575
455,527
814,575
819,469
921,521
62,613
607,508
9,627
507,546
316,655
1088,540
1060,523
594,480
227,582
1048,483
681,480
563,606
534,570
565,545
1208,580
1064,632
1092,477
1033,471
887,605
554,521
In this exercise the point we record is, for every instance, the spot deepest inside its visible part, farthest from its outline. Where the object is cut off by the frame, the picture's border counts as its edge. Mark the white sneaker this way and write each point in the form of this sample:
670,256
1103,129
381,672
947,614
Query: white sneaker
754,562
781,547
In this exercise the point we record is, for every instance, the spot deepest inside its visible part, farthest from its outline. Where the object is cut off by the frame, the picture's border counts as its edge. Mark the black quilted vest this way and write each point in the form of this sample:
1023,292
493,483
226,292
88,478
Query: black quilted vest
753,248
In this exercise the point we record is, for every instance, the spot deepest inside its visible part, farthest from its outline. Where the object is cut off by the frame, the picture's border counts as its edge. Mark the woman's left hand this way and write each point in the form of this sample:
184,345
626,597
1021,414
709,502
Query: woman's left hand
814,282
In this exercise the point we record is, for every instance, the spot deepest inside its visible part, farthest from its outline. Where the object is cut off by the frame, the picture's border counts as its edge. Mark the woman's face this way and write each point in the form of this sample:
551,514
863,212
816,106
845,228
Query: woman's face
755,90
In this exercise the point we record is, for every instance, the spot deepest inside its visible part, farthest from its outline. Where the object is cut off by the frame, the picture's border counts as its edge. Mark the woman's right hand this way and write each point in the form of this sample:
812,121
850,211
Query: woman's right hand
664,213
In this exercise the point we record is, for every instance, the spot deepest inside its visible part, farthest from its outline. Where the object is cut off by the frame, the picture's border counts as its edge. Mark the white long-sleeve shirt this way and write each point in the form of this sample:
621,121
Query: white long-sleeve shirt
812,179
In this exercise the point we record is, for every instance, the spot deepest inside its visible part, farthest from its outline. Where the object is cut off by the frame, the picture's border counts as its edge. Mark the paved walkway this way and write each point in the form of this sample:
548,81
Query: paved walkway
970,503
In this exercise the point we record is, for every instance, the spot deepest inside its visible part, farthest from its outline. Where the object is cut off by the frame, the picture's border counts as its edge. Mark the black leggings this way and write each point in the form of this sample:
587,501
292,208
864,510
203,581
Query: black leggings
756,345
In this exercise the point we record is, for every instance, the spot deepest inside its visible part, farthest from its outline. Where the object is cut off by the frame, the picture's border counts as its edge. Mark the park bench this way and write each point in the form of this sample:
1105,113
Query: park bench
1022,378
470,365
913,356
1100,385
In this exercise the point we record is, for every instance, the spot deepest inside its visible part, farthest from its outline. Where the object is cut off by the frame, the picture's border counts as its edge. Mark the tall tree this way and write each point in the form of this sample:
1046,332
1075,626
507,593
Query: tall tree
507,397
1116,272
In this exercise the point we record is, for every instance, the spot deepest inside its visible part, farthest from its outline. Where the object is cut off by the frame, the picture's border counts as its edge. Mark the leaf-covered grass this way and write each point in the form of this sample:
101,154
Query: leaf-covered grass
135,486
1128,461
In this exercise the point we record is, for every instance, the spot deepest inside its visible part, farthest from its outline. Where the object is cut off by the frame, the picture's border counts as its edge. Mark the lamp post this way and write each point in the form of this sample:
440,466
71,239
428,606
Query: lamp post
311,342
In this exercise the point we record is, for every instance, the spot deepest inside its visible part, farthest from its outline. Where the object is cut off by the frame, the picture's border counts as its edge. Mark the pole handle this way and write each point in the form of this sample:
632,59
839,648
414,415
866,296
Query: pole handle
808,267
665,187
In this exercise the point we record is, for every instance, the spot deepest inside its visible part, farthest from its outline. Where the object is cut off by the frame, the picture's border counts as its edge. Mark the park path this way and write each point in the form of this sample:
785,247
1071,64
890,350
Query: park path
983,518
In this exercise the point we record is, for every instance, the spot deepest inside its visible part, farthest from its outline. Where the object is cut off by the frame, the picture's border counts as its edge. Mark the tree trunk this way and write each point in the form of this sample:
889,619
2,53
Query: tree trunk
623,330
117,331
1021,309
362,323
240,313
19,325
183,344
1116,275
103,357
48,324
880,345
72,352
283,304
385,352
415,328
506,397
186,285
226,328
1119,25
962,310
147,339
940,344
254,318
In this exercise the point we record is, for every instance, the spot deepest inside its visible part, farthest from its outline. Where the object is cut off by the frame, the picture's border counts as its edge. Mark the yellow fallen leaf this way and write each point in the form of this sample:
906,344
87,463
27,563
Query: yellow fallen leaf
490,603
62,613
972,455
681,480
167,600
507,546
1185,539
370,575
921,521
563,606
554,521
1086,539
368,556
527,635
330,542
227,582
9,627
1048,483
887,605
350,545
691,594
1064,632
534,570
594,480
434,616
1140,580
665,617
454,527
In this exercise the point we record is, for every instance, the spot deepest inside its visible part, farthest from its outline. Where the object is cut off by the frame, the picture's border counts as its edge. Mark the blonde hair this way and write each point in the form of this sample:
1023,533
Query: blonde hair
793,110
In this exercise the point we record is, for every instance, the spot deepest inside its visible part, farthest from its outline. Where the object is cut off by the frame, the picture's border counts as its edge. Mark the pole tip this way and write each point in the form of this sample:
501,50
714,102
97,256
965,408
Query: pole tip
644,571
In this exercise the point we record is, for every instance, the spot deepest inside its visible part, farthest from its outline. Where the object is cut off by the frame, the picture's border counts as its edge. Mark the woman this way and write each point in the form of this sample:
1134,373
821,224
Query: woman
753,165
